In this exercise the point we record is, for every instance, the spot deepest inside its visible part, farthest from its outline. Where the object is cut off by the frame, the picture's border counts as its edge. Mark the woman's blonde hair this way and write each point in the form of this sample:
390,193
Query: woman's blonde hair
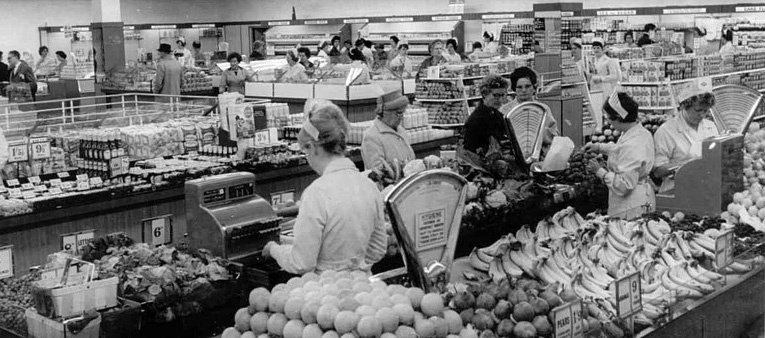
331,123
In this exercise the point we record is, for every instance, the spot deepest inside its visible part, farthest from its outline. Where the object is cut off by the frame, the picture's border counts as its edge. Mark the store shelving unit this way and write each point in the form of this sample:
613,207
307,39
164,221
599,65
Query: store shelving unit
280,39
419,35
452,118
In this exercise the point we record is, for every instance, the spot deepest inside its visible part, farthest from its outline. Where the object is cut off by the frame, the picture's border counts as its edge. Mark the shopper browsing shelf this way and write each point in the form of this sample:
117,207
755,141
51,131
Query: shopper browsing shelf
258,51
605,72
402,63
646,38
629,40
169,78
232,80
197,54
357,53
490,46
46,65
630,160
61,58
523,81
340,225
293,71
386,140
487,124
369,55
21,73
381,56
450,55
436,49
323,53
394,41
477,52
304,54
678,140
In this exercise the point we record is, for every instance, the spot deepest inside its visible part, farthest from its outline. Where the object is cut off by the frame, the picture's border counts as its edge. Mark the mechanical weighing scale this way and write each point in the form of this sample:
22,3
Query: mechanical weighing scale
706,186
528,120
225,217
425,211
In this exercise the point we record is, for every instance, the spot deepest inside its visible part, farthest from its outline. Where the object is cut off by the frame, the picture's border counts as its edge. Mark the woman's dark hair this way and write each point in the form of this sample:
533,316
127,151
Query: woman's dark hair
728,35
477,45
628,34
41,49
491,82
293,55
649,27
487,35
334,38
522,72
357,55
257,44
359,43
305,51
403,45
348,42
321,46
394,38
452,42
234,55
706,100
368,43
628,104
58,53
196,44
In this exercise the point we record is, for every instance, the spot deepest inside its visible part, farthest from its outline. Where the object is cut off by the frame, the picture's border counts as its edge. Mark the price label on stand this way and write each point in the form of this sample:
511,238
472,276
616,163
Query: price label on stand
40,149
296,119
568,320
69,243
724,249
261,137
56,182
27,186
96,181
41,188
35,180
82,186
82,178
85,237
13,183
158,230
14,193
6,261
62,175
17,152
55,191
629,299
28,195
282,197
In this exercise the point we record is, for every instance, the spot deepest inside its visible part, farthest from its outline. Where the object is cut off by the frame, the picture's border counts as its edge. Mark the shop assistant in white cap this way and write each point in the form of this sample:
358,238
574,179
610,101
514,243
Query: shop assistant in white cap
386,139
630,160
678,140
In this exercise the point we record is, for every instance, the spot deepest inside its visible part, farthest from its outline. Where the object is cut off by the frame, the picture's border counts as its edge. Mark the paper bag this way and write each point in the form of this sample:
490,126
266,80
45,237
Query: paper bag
558,154
225,101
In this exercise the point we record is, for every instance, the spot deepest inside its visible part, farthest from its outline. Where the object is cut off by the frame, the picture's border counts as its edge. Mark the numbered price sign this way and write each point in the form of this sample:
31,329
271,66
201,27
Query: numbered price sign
158,230
6,261
282,197
724,249
17,152
262,137
568,320
40,148
629,298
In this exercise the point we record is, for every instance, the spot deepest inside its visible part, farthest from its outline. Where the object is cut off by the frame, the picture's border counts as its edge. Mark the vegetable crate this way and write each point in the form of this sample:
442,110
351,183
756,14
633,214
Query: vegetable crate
69,291
40,326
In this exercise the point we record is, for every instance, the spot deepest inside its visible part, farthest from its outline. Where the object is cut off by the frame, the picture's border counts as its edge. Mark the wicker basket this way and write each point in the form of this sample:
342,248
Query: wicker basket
57,296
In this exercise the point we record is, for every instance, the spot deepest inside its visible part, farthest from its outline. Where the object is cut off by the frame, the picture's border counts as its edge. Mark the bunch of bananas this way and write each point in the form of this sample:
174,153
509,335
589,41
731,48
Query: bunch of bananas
586,257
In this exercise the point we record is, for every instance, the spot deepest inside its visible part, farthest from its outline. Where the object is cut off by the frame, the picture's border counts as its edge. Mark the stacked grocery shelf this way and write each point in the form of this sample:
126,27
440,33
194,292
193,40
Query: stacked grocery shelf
415,122
570,28
519,37
280,39
574,85
419,35
445,99
748,34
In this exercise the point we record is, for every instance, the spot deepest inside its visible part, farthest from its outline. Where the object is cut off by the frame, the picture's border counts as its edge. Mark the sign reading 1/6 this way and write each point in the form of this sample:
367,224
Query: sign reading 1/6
568,320
724,249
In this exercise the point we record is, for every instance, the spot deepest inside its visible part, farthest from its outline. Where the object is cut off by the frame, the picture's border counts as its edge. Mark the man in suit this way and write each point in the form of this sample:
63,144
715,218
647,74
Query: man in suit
21,72
169,78
4,74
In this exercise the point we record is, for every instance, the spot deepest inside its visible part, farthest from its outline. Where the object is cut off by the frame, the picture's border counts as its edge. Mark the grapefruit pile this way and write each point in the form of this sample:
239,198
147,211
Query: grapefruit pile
344,304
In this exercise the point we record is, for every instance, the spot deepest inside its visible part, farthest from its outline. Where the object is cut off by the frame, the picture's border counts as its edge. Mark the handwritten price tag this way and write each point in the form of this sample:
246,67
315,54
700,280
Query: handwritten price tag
96,182
261,137
28,195
568,320
13,183
160,230
56,182
35,180
56,191
62,174
83,186
724,249
85,237
17,153
628,295
27,186
6,261
40,150
14,193
82,178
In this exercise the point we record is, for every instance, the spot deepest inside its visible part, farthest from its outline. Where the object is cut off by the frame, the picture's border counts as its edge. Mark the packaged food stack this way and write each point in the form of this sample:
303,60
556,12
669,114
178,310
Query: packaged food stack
438,90
625,53
446,113
415,117
520,38
277,115
270,153
570,29
750,59
102,153
642,71
650,96
217,151
356,131
152,140
194,82
474,69
679,69
707,65
507,67
79,70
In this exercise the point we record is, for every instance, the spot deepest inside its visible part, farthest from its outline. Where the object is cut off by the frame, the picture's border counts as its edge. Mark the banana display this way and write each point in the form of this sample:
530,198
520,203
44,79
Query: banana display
586,256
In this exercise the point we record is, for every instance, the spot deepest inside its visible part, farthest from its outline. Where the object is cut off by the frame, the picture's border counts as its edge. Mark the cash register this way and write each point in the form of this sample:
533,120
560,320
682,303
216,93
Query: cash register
226,217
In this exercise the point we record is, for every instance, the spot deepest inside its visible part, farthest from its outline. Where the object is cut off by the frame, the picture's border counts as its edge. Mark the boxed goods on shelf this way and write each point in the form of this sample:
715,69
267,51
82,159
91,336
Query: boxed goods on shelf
193,82
446,113
651,96
642,71
439,90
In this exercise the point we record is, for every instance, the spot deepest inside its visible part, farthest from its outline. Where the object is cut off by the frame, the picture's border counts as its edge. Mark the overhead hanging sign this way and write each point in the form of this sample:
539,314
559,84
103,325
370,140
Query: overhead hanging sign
402,19
567,14
315,22
497,16
355,20
617,12
446,18
684,10
163,27
128,28
750,9
278,23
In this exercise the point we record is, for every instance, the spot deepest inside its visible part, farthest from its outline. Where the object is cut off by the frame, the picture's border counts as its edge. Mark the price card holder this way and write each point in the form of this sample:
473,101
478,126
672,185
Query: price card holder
96,182
282,197
629,297
55,191
41,188
83,185
158,230
35,180
14,193
56,182
296,119
568,320
28,195
434,72
40,149
724,251
13,183
62,175
69,243
27,186
262,137
6,261
85,237
67,185
18,152
82,178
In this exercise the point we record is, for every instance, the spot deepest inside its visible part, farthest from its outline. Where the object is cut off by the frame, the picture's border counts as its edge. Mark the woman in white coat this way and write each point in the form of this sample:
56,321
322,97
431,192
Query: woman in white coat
630,161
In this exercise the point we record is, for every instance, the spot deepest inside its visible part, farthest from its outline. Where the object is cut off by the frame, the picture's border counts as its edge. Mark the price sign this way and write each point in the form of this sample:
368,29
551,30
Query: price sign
261,137
62,174
40,149
35,180
96,181
434,72
85,237
628,295
14,193
83,186
568,320
724,249
282,197
13,183
27,186
6,261
67,185
41,188
28,195
56,191
69,243
17,152
56,182
82,177
159,230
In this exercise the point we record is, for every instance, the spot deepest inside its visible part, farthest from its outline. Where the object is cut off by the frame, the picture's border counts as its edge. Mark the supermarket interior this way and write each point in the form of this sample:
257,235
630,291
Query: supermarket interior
426,168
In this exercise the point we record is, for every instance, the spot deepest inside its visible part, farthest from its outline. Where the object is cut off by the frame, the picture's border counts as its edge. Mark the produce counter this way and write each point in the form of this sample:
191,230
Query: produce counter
207,92
39,233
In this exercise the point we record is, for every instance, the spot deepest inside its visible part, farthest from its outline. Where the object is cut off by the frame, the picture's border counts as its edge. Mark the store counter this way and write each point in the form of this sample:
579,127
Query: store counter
39,233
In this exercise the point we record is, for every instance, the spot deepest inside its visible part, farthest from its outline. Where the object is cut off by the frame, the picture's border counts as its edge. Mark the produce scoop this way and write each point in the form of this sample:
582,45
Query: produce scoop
226,217
705,186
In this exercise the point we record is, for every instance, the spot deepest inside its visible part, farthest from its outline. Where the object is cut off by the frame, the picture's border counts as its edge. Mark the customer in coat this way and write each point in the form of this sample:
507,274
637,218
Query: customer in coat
386,139
169,78
630,160
678,140
340,225
233,79
21,72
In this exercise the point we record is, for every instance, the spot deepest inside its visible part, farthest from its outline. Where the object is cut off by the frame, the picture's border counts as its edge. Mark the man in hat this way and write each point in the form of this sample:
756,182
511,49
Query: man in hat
169,78
386,139
679,139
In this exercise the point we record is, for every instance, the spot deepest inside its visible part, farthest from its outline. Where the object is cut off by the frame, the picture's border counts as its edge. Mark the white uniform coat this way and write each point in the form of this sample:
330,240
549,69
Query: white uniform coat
676,143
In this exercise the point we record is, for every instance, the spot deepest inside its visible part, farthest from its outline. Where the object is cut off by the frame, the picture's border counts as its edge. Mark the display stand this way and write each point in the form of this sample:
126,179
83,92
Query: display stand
426,214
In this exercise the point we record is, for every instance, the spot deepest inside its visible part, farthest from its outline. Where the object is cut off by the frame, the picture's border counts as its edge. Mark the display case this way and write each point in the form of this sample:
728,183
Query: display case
419,35
280,39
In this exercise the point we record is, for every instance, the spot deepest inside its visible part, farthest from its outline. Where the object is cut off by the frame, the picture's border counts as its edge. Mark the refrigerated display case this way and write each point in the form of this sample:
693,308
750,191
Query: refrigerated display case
280,39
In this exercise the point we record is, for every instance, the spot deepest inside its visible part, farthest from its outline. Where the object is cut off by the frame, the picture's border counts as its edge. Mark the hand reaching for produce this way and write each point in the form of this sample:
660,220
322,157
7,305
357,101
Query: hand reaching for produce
591,147
267,249
593,166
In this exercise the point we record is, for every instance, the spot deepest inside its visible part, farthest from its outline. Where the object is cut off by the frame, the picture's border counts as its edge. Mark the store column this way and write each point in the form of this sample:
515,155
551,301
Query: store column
108,37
